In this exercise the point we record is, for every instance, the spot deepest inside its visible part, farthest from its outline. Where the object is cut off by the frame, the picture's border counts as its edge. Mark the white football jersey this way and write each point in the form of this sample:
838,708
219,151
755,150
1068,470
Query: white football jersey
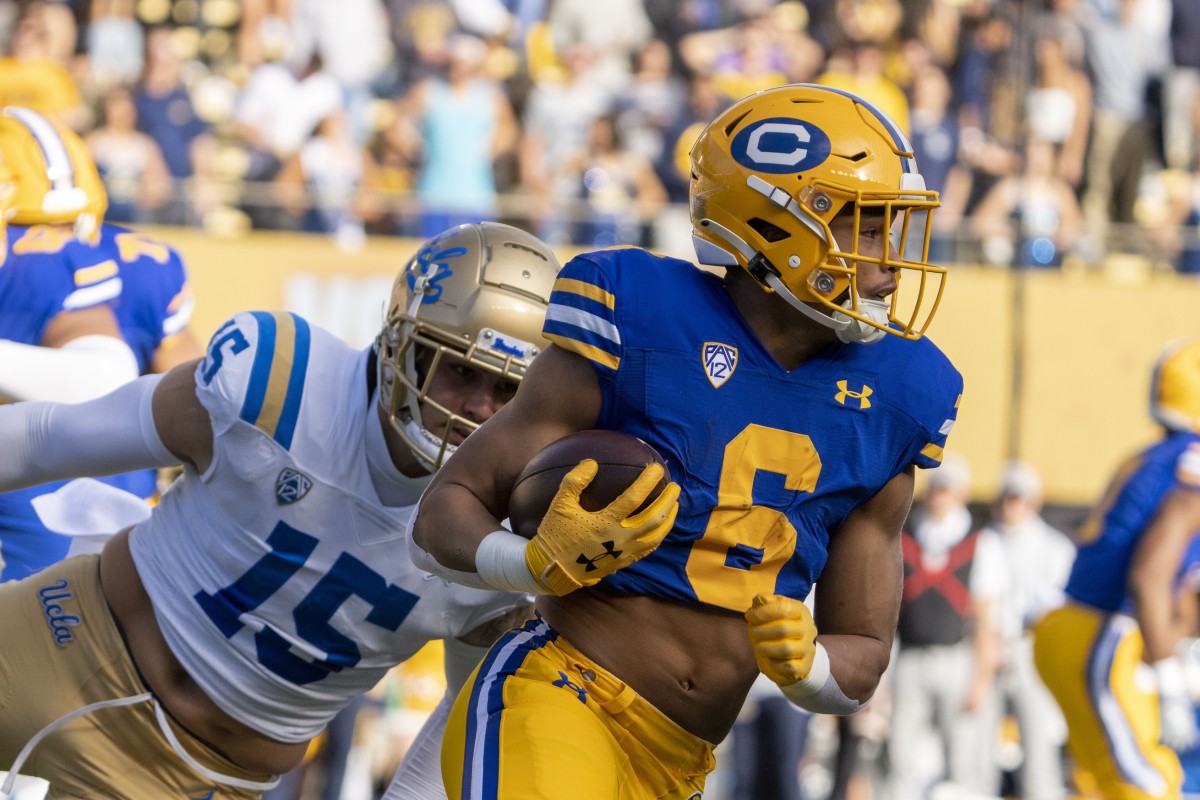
279,579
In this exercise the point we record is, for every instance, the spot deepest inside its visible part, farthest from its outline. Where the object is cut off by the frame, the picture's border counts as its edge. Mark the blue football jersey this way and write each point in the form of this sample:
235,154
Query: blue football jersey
155,301
770,461
37,282
145,282
1110,535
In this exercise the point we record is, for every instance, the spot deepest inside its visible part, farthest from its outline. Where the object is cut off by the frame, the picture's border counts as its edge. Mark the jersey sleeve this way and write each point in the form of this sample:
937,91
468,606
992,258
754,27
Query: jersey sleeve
938,398
253,372
582,317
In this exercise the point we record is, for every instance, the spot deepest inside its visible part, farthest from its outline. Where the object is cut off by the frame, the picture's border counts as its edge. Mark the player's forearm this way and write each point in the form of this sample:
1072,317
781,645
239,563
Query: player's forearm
52,441
449,525
857,662
82,369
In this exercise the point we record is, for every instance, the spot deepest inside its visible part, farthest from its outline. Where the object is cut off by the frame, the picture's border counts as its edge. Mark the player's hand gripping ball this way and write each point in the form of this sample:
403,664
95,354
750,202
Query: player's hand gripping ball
784,637
591,503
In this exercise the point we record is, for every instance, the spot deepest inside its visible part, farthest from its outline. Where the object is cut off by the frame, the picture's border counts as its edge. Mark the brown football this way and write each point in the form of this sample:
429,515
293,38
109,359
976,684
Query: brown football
621,458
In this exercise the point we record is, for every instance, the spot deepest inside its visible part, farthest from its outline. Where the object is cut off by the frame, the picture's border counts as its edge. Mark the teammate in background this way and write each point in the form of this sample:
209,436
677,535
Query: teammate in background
59,337
271,583
792,401
144,281
1121,605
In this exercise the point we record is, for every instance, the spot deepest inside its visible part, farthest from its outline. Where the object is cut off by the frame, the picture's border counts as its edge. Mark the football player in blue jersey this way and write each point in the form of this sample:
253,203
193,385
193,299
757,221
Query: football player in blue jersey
58,205
203,649
59,337
791,399
1119,624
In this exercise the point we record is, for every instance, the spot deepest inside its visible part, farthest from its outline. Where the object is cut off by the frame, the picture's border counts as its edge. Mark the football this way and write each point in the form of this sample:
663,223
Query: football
621,459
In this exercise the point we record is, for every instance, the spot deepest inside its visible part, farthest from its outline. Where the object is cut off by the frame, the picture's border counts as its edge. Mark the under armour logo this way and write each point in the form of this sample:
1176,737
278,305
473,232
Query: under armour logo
609,552
844,394
291,486
564,682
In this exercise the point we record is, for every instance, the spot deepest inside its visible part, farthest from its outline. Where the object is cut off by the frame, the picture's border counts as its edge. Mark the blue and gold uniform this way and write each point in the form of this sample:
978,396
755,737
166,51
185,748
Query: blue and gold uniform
37,284
48,270
1113,719
770,461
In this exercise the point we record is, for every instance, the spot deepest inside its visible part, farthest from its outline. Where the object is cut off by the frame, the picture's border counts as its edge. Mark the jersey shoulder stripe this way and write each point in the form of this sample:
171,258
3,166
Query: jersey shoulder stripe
582,317
276,386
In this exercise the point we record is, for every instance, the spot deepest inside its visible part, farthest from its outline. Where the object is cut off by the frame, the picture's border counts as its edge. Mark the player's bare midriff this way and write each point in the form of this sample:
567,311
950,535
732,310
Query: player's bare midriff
170,683
692,664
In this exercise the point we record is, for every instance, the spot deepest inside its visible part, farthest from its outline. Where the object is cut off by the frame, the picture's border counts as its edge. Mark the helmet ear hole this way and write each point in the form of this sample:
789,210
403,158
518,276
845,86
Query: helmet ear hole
767,230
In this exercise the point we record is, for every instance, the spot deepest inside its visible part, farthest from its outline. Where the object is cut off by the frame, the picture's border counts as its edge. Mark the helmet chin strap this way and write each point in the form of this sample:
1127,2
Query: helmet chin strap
848,328
424,442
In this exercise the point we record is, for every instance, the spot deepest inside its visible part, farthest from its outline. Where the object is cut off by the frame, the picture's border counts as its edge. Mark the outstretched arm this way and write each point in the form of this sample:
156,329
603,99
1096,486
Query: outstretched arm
155,421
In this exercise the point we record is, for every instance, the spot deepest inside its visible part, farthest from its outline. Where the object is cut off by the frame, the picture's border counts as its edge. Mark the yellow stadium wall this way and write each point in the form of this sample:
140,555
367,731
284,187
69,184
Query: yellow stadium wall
1070,396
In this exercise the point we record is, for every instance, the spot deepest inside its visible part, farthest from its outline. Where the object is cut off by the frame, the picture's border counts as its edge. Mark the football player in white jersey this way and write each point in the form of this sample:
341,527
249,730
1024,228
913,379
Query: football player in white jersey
203,649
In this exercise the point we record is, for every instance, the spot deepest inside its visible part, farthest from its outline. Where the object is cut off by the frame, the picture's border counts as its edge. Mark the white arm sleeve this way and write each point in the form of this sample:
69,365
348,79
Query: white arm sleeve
44,442
82,369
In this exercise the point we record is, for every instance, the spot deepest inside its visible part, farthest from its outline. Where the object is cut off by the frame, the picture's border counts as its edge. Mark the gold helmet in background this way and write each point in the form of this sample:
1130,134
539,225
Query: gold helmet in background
477,294
55,176
1175,387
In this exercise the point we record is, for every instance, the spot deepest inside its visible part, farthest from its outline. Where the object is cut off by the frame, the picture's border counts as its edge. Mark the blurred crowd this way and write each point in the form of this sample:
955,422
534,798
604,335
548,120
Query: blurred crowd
1057,129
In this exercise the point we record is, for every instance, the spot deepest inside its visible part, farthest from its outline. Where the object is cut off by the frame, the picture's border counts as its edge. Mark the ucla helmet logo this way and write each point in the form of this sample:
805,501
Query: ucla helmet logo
781,145
432,263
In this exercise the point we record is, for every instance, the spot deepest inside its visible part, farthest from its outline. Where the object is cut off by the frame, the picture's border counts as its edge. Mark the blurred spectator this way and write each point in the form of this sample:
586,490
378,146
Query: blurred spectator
30,77
613,30
858,68
114,44
1183,85
935,141
456,126
319,184
1123,58
1039,561
350,39
620,191
1058,106
129,161
1035,207
555,125
742,59
277,111
944,669
165,111
652,102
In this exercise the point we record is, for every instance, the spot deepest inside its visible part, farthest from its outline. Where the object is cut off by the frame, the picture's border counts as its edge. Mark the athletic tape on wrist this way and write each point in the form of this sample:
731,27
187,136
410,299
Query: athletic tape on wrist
500,561
819,692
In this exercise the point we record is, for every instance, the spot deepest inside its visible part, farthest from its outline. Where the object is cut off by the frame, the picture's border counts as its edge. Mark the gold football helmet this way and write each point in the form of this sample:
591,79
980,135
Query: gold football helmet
56,178
1175,387
476,293
770,174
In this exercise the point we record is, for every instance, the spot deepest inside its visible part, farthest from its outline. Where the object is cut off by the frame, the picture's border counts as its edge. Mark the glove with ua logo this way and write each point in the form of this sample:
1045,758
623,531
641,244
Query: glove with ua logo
575,547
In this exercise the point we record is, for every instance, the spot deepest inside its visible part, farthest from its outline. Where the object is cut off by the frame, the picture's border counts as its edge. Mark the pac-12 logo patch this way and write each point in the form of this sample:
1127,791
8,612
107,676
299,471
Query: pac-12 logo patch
780,145
720,360
291,486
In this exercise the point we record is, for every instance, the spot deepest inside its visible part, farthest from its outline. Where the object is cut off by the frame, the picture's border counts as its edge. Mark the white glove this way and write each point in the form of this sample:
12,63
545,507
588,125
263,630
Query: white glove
1176,712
